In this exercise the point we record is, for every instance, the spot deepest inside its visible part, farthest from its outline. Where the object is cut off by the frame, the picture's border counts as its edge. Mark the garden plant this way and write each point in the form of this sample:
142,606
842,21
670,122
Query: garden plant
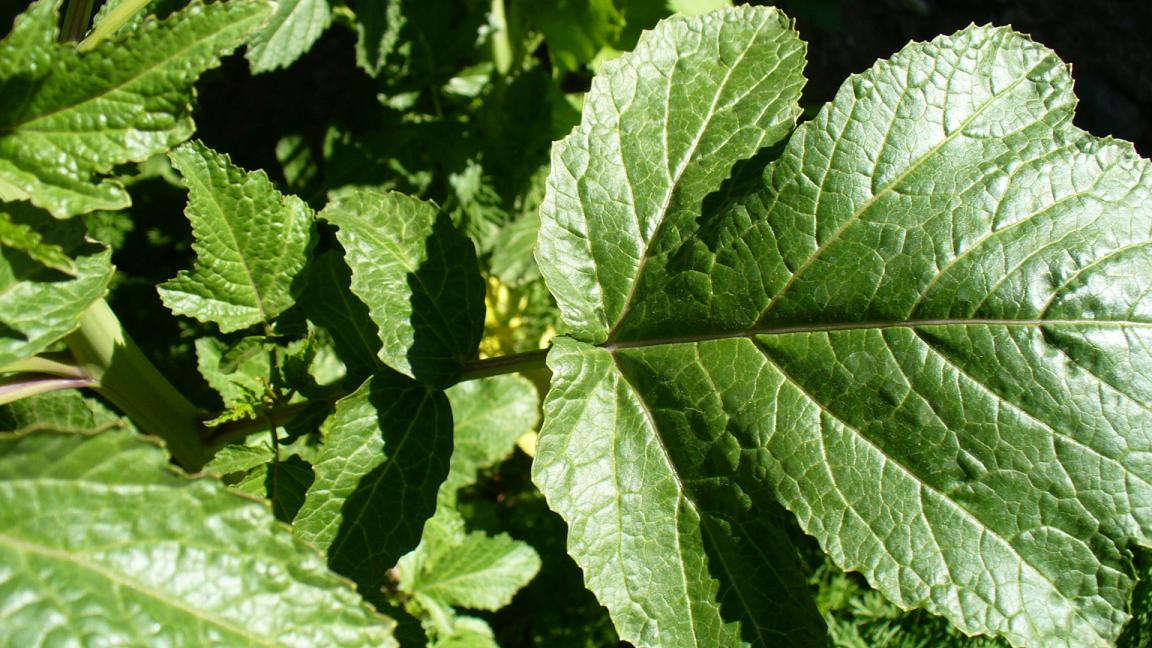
672,359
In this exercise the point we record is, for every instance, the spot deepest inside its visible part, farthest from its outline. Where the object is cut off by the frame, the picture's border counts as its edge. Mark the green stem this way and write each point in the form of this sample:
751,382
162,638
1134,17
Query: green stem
76,18
53,364
122,374
517,363
233,431
112,22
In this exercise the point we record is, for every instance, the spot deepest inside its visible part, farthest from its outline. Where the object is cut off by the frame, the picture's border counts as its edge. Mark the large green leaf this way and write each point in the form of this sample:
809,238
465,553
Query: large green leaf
67,116
41,304
927,333
377,476
669,543
419,277
251,243
102,542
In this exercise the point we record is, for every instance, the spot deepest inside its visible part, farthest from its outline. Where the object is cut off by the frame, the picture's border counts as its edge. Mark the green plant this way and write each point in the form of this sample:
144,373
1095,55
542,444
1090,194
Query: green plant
916,324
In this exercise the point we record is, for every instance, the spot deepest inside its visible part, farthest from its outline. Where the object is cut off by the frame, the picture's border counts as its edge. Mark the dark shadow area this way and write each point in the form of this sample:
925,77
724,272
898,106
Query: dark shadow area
383,517
1105,41
447,297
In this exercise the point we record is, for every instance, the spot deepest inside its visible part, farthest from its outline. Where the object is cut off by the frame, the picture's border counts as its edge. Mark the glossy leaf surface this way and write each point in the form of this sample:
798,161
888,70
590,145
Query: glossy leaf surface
102,542
926,335
288,34
39,304
670,546
67,117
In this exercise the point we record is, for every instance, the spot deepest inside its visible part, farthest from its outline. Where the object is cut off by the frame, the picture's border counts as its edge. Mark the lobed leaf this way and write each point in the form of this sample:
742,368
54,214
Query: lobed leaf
251,243
419,277
383,460
68,116
671,545
926,334
93,552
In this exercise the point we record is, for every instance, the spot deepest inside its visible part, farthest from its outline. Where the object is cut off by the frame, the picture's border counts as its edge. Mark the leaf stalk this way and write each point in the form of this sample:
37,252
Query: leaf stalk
120,372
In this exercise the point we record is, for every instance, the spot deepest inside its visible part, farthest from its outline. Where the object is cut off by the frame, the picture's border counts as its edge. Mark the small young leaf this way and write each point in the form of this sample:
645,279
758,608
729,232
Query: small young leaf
21,236
66,116
472,570
420,278
377,476
490,414
251,243
288,34
102,540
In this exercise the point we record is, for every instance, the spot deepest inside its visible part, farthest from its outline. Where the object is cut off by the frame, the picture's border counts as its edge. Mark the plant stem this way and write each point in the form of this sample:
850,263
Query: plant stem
121,373
53,364
231,431
112,22
76,18
26,385
517,363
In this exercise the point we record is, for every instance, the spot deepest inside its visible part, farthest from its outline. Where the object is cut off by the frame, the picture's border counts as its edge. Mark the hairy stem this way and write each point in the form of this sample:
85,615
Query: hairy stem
121,373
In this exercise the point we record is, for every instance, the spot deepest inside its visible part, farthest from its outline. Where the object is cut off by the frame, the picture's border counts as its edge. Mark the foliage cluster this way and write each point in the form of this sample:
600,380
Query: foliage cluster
583,331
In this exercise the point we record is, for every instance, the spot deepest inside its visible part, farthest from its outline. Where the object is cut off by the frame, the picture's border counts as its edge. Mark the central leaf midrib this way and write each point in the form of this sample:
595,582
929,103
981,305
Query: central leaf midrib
865,326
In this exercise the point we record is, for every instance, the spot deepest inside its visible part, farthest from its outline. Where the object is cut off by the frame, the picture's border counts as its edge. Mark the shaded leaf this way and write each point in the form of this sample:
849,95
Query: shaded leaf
419,277
251,243
489,415
67,116
21,236
102,540
384,458
678,552
330,303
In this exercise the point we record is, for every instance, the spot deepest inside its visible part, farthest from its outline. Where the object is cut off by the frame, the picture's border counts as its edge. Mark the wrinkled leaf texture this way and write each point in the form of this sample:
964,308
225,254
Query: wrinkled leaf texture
68,116
926,333
102,543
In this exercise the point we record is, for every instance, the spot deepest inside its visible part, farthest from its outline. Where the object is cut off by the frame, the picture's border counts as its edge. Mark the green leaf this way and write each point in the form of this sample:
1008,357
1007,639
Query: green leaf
288,34
67,116
376,477
40,304
251,243
101,539
419,277
490,414
576,30
669,543
661,129
244,378
62,411
21,236
378,25
474,571
927,334
283,483
330,303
